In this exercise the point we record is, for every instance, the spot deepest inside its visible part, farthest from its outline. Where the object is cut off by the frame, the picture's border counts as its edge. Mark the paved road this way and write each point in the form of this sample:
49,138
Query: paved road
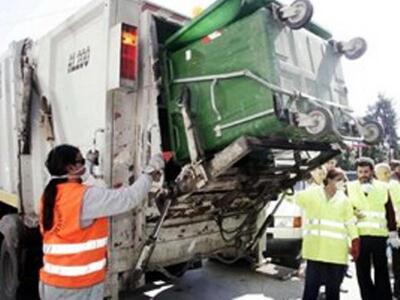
220,282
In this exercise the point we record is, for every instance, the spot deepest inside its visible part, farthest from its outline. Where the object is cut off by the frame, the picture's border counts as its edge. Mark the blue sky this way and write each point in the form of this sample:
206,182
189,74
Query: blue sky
376,21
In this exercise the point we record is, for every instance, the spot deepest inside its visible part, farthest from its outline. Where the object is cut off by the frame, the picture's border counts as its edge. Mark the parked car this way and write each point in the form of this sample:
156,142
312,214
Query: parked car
351,175
284,236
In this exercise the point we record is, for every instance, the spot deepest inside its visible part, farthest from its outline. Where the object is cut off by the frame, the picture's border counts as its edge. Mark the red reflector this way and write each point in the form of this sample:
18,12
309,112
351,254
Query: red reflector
167,155
129,53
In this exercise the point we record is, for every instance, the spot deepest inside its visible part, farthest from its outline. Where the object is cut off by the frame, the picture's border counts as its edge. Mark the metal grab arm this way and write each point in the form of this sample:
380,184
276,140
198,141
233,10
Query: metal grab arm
274,88
261,232
150,244
264,82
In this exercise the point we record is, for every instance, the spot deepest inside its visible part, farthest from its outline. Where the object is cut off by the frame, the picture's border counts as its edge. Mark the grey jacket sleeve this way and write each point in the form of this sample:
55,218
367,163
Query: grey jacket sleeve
101,202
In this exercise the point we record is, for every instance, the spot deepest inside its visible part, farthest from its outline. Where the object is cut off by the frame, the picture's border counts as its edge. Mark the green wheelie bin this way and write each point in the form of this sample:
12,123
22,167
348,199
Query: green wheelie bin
242,70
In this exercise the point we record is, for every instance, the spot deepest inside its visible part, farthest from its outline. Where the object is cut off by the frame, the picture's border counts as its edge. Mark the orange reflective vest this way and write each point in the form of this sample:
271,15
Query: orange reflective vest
74,257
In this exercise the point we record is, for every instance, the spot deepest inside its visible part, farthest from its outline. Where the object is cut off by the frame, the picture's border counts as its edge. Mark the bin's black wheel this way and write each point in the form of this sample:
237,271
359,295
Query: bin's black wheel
322,122
372,132
9,280
304,12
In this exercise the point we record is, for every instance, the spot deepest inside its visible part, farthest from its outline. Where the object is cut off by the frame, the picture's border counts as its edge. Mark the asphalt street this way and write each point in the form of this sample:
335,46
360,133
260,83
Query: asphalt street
215,281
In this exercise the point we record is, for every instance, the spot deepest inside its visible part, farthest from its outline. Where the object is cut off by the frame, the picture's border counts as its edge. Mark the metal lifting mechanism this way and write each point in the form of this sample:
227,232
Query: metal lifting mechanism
221,162
191,177
149,245
317,122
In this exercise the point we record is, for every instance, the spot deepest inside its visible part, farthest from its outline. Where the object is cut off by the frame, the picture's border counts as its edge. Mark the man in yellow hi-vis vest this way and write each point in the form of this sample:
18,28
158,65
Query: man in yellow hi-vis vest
329,231
376,221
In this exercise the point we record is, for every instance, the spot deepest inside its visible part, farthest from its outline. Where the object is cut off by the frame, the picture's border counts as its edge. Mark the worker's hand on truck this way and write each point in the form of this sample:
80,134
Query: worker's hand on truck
155,167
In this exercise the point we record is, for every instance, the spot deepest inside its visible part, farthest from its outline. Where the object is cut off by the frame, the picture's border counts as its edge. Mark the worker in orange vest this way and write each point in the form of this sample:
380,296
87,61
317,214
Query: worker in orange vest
74,224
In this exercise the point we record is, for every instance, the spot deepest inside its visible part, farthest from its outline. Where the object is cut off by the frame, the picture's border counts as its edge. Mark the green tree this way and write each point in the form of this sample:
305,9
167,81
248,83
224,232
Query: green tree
383,111
347,159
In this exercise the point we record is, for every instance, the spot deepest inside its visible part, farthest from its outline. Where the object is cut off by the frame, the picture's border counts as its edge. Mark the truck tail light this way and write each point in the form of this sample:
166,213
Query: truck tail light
129,52
297,222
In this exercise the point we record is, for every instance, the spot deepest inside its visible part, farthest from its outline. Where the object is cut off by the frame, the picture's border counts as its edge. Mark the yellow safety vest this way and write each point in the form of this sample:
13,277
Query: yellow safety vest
329,225
394,191
372,207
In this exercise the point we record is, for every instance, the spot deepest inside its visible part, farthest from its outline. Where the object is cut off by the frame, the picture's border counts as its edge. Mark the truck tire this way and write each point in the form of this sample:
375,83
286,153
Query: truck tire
20,259
9,280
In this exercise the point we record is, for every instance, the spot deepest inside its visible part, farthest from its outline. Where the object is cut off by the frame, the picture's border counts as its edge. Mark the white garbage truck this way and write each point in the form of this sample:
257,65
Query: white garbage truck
104,81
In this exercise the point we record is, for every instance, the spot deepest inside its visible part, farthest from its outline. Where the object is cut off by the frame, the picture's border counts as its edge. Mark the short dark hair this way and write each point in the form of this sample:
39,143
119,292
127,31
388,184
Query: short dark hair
333,173
57,161
394,163
365,162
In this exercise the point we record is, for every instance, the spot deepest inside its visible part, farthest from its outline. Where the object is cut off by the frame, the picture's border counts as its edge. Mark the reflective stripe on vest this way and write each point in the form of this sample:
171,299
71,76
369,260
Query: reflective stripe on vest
329,233
327,228
328,223
374,214
371,224
74,257
352,221
75,270
372,210
325,233
376,220
61,249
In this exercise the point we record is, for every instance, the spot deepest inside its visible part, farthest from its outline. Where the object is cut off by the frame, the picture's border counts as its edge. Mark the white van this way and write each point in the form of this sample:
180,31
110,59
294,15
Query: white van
284,236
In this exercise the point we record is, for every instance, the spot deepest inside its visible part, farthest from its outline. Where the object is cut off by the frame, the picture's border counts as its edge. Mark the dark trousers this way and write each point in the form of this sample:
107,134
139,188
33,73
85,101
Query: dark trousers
373,249
318,274
396,271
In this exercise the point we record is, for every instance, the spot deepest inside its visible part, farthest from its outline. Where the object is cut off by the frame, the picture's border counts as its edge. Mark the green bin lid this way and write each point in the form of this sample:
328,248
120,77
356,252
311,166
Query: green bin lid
220,14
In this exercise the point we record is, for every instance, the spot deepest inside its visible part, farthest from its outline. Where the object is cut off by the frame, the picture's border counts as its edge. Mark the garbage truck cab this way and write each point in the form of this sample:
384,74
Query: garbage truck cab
125,79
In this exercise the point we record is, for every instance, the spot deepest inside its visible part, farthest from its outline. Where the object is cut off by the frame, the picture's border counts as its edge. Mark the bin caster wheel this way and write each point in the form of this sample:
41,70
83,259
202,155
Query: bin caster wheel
372,132
322,122
353,49
298,14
